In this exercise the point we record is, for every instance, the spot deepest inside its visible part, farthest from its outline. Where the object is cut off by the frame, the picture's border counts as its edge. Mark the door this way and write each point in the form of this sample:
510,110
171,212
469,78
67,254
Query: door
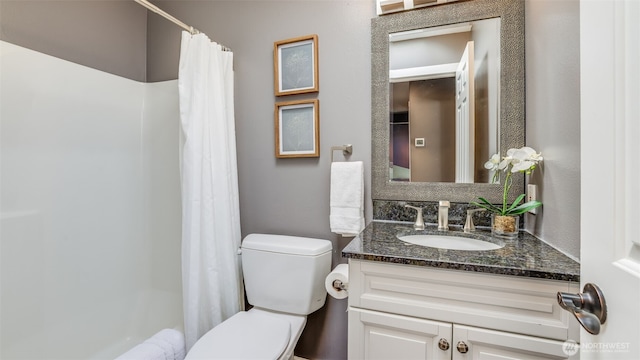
465,114
383,336
610,172
471,343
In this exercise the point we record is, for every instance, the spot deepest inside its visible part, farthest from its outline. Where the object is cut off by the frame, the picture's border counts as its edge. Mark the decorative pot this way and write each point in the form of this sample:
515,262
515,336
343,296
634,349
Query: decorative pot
505,225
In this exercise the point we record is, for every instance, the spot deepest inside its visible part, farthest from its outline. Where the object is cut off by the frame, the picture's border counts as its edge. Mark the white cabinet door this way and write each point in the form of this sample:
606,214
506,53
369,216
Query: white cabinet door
375,335
486,344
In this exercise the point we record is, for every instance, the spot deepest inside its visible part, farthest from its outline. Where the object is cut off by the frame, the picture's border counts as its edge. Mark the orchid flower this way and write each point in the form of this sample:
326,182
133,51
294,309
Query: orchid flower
493,163
523,160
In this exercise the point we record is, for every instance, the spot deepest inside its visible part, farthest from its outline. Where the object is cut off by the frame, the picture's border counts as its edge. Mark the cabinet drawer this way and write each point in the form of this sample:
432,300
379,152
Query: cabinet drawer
510,303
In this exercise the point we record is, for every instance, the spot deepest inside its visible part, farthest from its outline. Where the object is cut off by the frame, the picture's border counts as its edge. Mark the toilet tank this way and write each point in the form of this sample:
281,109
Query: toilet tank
286,273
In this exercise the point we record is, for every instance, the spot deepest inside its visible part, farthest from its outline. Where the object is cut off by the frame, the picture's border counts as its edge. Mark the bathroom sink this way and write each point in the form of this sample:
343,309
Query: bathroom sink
450,242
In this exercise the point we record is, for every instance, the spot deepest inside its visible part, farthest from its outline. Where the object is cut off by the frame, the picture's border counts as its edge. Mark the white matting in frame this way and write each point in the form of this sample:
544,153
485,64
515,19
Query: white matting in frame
297,129
296,65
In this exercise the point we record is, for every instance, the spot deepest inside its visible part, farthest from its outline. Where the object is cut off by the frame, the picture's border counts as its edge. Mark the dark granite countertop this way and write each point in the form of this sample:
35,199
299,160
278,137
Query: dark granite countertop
525,255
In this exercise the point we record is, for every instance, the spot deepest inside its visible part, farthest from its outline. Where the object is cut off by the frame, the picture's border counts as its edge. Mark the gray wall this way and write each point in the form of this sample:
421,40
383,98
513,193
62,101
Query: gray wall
286,196
105,35
553,118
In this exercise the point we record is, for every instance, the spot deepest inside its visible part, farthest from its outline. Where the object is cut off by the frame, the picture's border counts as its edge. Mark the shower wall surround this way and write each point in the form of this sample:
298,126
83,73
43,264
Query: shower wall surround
90,217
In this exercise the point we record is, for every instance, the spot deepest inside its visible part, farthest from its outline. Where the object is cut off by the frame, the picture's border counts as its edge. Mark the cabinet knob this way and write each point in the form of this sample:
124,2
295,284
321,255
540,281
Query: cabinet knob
443,344
462,347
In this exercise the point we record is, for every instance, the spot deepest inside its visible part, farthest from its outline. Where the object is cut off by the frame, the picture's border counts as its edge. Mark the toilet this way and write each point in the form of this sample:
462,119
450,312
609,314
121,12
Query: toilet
284,281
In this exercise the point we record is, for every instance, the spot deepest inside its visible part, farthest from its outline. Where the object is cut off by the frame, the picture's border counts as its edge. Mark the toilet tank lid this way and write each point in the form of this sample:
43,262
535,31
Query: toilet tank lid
285,244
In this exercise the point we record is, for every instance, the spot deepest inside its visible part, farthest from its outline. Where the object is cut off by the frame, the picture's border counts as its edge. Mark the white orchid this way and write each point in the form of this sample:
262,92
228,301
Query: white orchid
493,163
523,160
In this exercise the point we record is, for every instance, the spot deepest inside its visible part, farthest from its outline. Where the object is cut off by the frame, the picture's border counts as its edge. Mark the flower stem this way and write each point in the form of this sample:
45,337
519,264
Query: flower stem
507,186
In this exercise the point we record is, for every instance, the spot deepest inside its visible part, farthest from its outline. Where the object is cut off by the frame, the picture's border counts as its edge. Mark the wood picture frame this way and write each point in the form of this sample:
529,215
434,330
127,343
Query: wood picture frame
295,65
297,129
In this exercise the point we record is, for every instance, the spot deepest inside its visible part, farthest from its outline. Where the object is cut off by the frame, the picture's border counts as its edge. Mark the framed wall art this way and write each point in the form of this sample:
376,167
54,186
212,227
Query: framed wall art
297,129
295,63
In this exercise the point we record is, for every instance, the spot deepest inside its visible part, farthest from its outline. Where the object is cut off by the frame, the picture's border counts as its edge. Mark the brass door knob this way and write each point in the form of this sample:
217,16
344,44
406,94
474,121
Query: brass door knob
462,347
443,344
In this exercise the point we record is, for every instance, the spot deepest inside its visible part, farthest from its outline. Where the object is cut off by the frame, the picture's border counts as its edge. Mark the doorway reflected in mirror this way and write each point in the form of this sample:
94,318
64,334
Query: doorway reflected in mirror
444,86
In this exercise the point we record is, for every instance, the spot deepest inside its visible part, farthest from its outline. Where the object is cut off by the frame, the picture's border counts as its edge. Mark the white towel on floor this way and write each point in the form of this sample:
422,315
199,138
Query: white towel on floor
167,344
346,202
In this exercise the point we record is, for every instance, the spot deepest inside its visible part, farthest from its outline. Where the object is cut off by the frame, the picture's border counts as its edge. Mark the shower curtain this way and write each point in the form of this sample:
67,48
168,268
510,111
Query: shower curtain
211,272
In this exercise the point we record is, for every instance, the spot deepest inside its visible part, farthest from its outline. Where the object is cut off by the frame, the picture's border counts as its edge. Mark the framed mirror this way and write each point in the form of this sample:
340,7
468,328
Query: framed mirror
419,154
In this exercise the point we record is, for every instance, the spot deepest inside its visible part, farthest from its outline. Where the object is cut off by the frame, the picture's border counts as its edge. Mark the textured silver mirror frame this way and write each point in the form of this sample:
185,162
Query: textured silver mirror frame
512,95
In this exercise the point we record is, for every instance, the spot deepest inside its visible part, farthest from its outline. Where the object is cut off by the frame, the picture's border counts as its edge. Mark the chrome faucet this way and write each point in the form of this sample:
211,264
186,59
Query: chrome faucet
443,215
469,226
419,224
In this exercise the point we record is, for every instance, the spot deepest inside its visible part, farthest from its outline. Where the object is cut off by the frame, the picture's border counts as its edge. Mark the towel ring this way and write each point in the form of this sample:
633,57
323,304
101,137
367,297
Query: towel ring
346,150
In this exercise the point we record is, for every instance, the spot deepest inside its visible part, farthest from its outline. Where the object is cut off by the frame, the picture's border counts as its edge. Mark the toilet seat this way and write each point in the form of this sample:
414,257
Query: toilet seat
245,335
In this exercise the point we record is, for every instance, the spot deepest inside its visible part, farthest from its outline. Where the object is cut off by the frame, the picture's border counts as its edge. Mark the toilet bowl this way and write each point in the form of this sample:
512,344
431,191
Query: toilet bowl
284,282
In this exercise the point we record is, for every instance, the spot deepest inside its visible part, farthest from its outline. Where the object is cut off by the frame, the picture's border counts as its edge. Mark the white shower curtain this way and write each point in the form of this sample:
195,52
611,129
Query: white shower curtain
211,272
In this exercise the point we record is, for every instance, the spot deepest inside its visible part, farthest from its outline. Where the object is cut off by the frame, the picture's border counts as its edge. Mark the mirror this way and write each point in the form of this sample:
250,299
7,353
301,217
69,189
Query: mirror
443,100
508,100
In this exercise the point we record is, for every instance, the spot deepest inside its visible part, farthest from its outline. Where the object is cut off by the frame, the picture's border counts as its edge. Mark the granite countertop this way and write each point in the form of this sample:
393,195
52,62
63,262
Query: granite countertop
525,255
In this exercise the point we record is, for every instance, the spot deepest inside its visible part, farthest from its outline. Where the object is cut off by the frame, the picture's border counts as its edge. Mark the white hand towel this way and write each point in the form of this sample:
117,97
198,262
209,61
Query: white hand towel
346,202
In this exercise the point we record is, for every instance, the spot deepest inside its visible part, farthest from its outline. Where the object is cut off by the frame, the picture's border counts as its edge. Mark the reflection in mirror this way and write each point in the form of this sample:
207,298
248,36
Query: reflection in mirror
444,102
508,103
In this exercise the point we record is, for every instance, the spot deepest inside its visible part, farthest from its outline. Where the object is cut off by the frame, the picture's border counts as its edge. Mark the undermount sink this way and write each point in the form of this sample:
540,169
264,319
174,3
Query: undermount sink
450,242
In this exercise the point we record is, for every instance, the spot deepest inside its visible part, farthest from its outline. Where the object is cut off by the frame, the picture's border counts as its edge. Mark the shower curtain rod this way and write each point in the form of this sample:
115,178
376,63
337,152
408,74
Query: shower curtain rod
169,17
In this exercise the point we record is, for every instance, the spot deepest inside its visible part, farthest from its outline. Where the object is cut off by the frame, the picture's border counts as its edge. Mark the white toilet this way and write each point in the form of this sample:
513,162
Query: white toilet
284,280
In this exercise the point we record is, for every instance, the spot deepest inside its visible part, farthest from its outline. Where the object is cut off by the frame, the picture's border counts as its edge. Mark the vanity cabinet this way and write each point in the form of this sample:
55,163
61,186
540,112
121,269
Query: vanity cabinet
414,312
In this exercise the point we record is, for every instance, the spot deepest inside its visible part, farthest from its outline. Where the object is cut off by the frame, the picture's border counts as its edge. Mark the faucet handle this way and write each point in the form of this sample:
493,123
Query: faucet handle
419,224
469,226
